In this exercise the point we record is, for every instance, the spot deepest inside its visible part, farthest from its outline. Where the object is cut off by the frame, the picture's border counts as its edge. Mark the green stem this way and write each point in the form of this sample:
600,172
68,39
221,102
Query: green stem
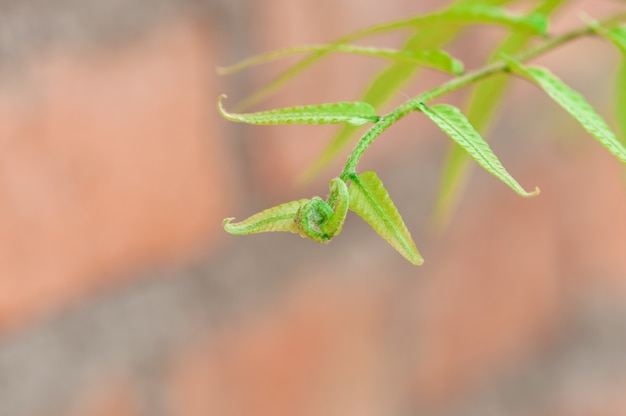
454,84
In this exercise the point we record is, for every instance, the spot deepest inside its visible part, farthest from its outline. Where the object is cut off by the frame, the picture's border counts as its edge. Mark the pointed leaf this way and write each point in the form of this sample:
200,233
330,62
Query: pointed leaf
481,109
433,58
575,104
535,23
436,59
353,113
466,14
278,218
370,200
452,122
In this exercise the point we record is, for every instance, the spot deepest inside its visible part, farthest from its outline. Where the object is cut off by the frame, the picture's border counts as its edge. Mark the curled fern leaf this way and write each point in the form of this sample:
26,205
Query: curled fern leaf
321,220
278,218
313,218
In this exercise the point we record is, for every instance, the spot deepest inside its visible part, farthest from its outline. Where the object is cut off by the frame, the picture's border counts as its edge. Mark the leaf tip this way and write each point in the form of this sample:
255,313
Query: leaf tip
457,67
220,106
416,260
226,224
532,194
222,110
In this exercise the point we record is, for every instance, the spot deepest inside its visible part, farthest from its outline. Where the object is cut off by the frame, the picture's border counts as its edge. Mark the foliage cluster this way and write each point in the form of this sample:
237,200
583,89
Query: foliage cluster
527,37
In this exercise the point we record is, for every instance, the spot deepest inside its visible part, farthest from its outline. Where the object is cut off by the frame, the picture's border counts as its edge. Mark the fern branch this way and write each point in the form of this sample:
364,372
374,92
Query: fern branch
469,78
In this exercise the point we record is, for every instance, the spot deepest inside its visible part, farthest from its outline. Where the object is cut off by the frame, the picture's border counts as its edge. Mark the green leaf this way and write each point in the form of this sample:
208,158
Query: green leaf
482,105
452,122
353,113
432,58
370,200
534,23
466,14
481,108
617,36
436,59
278,218
574,103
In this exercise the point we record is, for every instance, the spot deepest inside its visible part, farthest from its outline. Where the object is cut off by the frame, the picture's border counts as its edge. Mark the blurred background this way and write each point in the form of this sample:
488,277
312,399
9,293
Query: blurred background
120,294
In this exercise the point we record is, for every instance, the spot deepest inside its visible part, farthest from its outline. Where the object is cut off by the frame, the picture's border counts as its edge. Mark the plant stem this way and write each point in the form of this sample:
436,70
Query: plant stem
457,83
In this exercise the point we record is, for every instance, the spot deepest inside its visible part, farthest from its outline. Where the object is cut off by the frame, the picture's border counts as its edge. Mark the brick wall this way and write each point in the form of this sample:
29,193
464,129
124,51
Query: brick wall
121,295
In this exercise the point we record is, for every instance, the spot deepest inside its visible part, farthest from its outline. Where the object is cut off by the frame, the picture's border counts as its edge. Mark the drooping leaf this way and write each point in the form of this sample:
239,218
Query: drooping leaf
353,113
481,108
436,59
278,218
574,103
370,200
452,122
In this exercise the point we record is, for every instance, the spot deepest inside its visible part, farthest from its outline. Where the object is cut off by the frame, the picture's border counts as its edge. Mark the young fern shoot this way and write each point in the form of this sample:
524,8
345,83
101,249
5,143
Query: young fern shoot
364,194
